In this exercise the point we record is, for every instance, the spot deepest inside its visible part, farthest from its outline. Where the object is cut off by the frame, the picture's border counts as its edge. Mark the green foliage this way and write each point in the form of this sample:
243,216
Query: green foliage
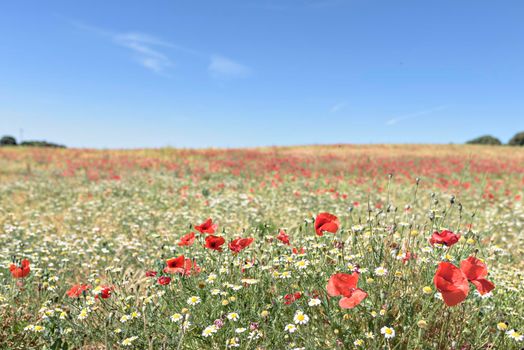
517,140
485,140
11,141
32,143
7,141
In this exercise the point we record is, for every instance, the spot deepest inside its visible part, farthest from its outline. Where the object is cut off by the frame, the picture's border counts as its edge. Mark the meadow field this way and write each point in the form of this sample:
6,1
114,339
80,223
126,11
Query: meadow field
318,247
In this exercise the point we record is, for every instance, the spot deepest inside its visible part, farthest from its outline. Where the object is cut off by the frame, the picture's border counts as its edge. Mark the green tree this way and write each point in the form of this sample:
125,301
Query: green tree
485,140
517,140
8,141
32,143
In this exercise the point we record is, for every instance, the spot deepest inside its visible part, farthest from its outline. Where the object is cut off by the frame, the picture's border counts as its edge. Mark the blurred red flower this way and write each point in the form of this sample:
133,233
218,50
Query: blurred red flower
326,222
175,265
445,237
451,282
105,293
20,271
151,273
181,265
345,284
164,280
299,251
409,256
476,271
207,227
214,242
291,298
187,240
283,237
239,244
77,290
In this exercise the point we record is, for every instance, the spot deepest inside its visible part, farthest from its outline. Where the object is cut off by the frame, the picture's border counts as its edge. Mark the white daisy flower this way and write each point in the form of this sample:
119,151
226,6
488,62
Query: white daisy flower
176,317
290,328
381,271
233,316
388,332
314,302
513,334
129,341
209,331
233,343
302,264
193,300
300,317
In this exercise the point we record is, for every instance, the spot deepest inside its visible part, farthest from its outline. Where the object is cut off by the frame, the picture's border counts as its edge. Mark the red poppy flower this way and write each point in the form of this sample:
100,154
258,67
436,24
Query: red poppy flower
164,280
105,292
175,265
207,227
181,265
214,242
445,237
239,244
326,222
476,271
291,298
299,251
345,284
283,237
20,271
77,290
187,240
151,273
451,283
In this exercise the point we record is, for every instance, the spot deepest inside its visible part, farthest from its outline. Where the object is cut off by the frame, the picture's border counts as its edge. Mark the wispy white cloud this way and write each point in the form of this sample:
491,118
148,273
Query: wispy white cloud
338,107
223,67
415,115
154,41
152,52
146,49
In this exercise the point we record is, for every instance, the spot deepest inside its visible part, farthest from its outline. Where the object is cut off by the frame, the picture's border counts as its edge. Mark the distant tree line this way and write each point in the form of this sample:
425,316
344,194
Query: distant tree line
517,140
11,141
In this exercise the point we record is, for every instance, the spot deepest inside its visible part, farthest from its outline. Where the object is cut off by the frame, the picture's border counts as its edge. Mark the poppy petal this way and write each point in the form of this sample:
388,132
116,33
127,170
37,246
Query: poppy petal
451,282
353,300
473,268
342,284
483,285
454,297
329,227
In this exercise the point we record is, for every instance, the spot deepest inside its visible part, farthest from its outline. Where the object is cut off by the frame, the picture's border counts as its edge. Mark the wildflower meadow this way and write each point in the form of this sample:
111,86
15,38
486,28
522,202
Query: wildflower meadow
320,247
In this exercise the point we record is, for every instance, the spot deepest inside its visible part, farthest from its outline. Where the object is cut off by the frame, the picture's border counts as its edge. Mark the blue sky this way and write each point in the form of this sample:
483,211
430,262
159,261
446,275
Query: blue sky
268,72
